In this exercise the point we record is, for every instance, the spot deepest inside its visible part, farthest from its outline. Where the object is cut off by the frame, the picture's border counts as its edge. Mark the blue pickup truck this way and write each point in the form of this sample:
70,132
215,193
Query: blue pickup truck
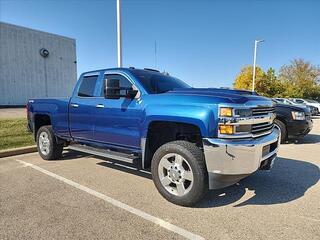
192,139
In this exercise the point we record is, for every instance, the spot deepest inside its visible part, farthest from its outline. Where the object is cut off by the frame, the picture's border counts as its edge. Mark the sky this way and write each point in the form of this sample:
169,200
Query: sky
204,43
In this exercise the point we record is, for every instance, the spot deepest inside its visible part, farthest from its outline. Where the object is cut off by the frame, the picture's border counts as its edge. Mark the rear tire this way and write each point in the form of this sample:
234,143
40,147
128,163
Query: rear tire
48,147
179,172
283,130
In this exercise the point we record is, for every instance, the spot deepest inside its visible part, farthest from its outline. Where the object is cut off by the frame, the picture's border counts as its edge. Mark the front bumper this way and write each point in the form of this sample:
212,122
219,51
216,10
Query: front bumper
228,160
298,128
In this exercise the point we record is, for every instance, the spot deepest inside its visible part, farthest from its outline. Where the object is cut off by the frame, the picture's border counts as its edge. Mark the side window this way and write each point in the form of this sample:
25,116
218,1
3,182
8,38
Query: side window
299,101
87,86
123,82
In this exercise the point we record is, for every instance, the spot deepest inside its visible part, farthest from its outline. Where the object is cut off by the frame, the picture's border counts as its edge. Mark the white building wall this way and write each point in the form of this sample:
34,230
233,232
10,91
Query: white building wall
25,74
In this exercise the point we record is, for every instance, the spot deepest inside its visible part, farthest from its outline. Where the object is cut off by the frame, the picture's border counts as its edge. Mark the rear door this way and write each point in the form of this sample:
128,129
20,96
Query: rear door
82,106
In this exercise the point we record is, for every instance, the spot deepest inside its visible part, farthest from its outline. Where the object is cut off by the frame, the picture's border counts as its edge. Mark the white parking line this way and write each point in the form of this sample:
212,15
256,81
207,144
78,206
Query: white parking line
144,215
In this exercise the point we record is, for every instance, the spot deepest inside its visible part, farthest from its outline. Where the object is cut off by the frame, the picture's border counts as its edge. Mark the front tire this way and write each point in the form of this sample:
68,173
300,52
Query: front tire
48,147
283,130
179,172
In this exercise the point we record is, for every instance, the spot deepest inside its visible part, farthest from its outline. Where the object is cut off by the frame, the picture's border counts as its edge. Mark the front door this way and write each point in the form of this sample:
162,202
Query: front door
117,121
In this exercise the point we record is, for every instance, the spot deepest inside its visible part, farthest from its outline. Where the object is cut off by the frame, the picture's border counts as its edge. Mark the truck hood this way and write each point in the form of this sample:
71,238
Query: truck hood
227,95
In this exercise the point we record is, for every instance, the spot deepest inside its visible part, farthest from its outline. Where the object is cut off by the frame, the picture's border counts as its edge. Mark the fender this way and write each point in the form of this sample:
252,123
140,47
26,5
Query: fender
202,117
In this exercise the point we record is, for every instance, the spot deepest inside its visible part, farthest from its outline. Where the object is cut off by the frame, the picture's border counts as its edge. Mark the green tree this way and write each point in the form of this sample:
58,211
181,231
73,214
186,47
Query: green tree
301,79
244,78
269,85
266,83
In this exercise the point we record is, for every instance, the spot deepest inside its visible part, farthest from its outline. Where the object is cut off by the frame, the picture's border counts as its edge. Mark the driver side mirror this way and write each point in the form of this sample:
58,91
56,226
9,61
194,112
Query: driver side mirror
131,93
112,90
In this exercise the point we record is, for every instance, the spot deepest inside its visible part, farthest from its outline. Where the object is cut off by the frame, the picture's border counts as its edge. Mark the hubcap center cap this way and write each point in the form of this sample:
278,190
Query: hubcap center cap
174,170
174,173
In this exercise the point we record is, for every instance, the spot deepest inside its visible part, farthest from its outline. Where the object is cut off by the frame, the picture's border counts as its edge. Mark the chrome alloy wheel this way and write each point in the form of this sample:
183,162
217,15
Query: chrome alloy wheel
175,174
44,143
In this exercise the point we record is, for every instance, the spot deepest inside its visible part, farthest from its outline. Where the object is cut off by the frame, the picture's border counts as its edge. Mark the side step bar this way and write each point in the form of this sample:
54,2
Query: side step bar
129,158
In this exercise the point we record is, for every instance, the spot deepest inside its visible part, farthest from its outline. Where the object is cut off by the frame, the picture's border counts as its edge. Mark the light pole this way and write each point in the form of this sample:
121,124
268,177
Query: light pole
155,54
119,37
254,62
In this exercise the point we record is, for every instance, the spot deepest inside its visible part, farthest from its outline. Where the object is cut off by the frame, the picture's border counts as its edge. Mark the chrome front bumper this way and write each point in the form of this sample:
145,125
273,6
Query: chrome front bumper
228,160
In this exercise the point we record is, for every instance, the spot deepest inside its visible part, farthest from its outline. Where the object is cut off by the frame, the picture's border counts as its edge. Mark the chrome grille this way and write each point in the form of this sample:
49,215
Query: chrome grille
258,111
260,129
249,122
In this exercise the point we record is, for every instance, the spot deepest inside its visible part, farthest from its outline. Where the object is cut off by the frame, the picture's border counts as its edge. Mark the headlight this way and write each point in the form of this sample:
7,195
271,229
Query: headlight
298,115
226,112
226,129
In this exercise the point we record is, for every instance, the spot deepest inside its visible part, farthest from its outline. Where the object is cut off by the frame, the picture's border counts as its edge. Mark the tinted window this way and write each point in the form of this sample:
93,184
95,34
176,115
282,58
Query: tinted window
299,101
87,86
154,82
123,82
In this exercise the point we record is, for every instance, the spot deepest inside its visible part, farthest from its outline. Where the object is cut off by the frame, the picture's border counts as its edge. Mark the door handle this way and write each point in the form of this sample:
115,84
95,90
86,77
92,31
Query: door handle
100,106
74,105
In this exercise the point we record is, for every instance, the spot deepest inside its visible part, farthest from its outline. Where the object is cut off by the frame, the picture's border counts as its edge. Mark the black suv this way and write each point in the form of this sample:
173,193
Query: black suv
293,121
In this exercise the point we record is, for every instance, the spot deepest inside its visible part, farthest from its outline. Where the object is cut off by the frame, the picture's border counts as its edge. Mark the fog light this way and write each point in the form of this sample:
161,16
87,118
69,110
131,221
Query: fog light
226,129
226,112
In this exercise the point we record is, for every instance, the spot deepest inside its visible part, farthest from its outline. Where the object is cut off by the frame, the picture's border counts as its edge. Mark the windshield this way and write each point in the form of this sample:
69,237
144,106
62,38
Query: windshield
155,82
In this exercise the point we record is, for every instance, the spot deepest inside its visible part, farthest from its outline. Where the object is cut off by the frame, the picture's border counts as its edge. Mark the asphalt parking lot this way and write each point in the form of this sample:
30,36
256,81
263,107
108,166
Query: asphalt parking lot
84,197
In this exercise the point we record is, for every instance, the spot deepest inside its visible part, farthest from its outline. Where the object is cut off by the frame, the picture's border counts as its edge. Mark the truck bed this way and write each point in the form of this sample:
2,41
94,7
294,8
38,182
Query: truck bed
56,108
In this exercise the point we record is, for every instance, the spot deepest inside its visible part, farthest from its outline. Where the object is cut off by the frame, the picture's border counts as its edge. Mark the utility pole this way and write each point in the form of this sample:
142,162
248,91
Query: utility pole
119,36
254,62
155,54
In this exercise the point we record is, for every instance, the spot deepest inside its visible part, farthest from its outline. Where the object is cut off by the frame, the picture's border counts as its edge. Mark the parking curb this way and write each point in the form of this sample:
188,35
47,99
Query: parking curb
17,151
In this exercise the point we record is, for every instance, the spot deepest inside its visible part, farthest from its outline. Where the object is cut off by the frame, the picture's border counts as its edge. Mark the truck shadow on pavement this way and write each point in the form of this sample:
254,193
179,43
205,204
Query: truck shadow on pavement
309,139
123,167
288,180
71,155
